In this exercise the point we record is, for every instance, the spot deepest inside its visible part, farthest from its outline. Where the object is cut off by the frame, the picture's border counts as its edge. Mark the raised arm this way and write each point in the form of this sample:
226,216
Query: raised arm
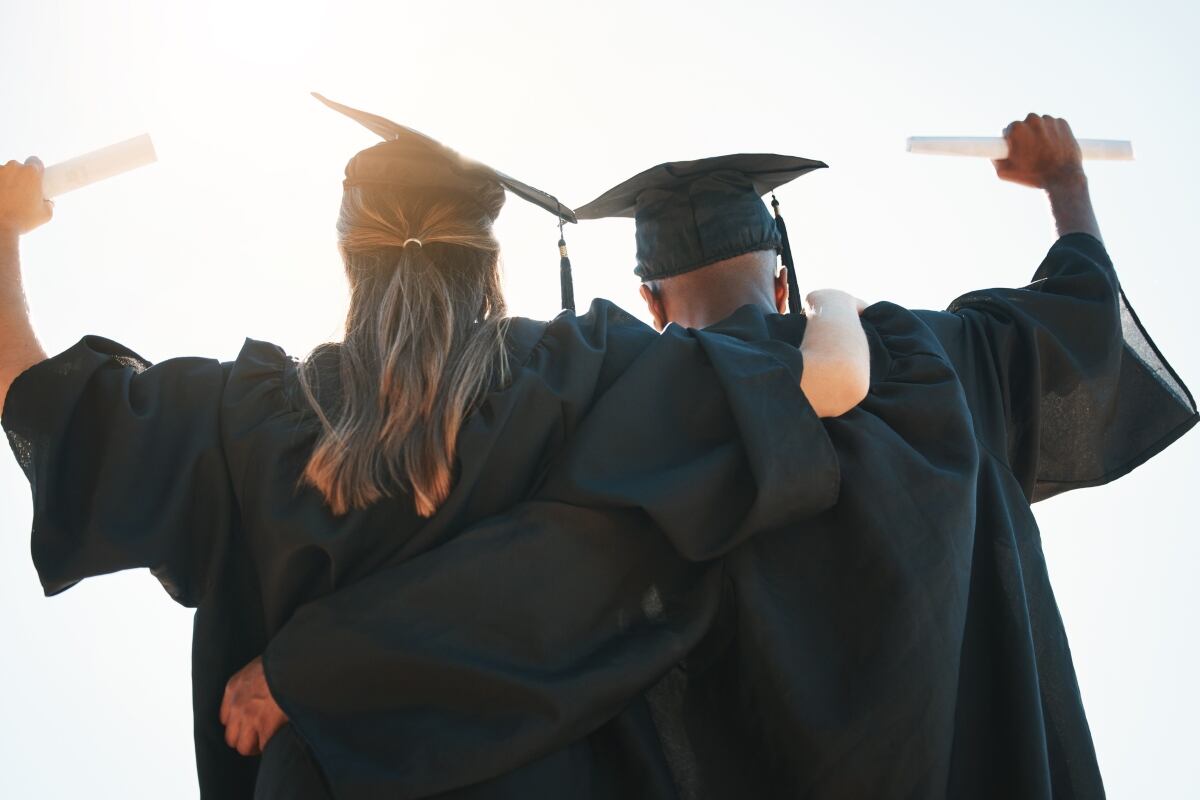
124,458
1043,154
1063,381
22,209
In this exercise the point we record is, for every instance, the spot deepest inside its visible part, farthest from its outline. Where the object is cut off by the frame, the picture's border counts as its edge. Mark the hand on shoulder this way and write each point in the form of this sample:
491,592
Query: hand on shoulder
837,361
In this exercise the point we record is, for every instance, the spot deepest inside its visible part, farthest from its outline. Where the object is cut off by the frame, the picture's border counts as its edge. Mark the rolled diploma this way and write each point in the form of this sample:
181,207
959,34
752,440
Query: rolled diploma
97,165
996,147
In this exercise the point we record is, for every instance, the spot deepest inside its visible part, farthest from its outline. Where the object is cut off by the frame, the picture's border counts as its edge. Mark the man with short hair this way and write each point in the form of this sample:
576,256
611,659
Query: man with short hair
907,643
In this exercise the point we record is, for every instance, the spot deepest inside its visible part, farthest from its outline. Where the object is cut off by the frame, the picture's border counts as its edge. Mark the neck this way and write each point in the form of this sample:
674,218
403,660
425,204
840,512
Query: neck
703,310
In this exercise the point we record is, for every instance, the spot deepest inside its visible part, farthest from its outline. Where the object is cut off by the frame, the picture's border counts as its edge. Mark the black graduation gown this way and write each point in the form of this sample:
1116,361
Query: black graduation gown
190,468
903,643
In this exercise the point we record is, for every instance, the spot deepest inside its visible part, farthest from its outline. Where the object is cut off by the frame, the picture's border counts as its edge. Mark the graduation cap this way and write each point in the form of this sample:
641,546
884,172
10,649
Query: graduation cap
690,214
410,159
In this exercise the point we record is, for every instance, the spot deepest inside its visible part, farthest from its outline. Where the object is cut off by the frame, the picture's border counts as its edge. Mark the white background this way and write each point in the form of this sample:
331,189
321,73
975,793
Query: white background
231,235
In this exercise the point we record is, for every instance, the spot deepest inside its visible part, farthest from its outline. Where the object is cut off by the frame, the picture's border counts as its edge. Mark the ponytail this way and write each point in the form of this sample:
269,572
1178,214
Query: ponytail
424,342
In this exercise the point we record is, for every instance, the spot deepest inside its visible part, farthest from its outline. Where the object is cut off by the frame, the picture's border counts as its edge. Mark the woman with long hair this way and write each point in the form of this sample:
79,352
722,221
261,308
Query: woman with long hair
252,487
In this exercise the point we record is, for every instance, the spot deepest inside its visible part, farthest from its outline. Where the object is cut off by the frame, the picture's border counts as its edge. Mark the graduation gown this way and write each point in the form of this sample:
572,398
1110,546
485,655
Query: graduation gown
190,468
903,642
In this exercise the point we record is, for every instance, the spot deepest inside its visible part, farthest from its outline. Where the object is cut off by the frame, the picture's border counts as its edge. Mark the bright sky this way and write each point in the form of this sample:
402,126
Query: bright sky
231,235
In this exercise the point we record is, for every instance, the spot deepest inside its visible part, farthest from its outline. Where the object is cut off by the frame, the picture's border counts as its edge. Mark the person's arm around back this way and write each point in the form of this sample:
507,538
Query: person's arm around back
22,208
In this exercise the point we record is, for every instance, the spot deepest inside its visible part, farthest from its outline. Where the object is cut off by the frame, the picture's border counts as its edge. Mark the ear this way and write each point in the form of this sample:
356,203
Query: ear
655,304
781,291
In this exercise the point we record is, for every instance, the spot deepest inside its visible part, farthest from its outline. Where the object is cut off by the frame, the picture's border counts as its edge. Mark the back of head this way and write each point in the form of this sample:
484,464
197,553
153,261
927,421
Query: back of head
705,295
424,341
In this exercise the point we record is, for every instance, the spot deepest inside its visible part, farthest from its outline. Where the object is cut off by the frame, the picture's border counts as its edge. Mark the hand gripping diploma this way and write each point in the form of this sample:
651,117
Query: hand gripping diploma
1044,154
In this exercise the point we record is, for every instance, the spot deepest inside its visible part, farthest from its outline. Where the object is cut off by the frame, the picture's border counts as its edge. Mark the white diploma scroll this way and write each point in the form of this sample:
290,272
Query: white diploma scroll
995,147
97,165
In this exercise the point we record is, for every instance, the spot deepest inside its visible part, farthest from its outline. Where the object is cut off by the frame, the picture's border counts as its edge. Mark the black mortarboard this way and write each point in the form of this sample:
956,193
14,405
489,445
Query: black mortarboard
411,159
690,214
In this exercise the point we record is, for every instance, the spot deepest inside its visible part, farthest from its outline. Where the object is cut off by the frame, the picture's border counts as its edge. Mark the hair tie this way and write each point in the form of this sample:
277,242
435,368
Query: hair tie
406,241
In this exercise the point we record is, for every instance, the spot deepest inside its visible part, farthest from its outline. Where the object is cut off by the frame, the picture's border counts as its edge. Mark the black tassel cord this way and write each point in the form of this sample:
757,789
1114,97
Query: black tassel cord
795,304
567,284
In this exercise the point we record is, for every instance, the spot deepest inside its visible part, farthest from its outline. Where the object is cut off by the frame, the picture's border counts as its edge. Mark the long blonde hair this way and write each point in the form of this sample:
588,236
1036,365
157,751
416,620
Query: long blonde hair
424,341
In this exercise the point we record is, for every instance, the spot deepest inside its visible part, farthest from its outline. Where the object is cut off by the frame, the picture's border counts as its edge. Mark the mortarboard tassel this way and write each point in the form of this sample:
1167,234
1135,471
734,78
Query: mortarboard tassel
785,251
564,271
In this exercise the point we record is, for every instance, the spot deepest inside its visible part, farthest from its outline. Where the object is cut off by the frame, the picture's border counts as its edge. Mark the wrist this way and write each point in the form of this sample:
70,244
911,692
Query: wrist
1071,205
1070,184
10,259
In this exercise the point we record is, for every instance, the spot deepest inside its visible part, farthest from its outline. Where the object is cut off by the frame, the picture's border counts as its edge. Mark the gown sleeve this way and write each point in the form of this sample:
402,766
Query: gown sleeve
126,464
532,628
708,435
1065,384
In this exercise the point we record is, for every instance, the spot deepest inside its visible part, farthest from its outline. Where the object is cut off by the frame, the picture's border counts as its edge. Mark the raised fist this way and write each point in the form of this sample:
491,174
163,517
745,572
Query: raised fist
22,207
1042,152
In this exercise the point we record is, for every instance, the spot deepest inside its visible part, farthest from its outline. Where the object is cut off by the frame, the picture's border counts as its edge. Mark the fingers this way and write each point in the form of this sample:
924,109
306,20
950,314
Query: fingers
1023,128
1037,123
226,704
33,164
833,299
24,174
1041,149
247,741
249,724
39,169
245,736
23,206
232,732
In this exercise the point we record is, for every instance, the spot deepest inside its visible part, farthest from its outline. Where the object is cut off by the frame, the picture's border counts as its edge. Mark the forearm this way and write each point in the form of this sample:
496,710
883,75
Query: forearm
836,360
19,348
1071,203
